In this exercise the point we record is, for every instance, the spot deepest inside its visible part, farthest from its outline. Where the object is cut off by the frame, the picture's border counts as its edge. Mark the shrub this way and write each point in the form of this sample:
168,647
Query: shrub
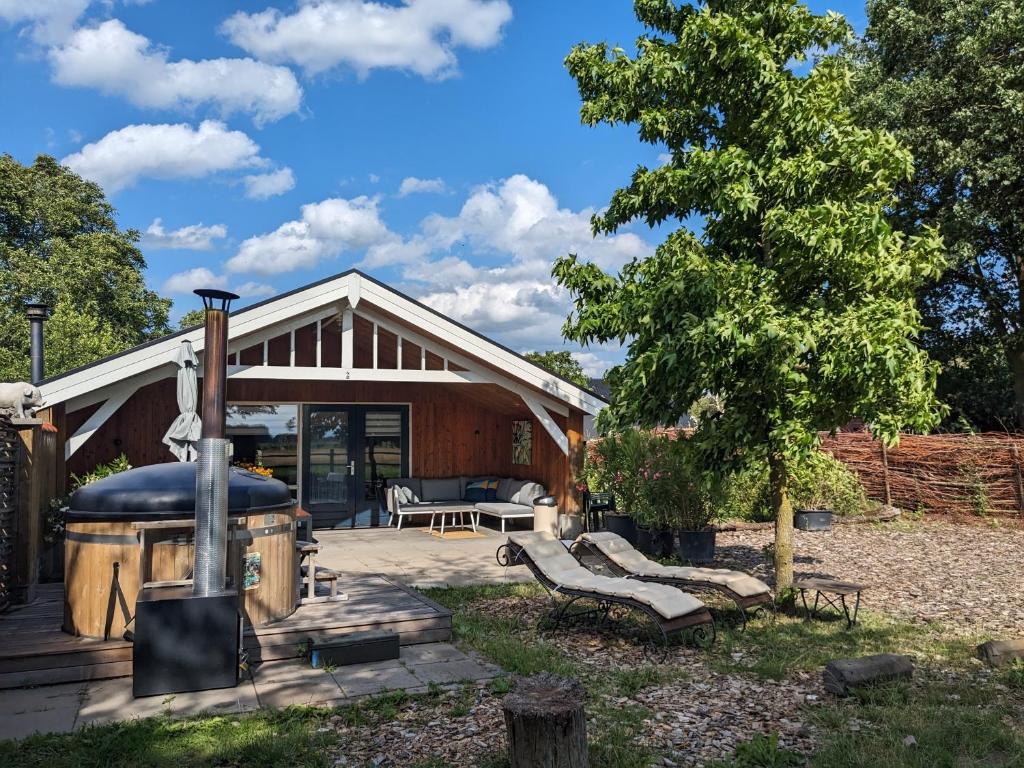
53,526
820,482
682,492
620,462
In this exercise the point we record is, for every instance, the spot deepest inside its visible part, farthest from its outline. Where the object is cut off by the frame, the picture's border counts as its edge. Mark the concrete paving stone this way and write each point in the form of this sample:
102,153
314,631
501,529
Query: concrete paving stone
281,684
365,679
59,719
108,701
429,652
451,671
17,701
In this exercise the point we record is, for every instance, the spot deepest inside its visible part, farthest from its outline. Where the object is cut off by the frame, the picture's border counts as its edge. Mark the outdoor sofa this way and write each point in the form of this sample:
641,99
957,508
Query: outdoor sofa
671,610
506,499
620,558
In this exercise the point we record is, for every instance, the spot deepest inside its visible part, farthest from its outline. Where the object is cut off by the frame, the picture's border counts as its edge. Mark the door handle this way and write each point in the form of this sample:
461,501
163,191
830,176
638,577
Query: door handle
352,467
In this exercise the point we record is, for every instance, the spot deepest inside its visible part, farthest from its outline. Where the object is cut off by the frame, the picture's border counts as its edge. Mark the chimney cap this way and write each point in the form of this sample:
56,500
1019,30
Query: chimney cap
36,310
212,295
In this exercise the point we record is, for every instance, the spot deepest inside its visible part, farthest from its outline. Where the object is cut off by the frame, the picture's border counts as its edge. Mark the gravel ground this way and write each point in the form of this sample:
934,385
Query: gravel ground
965,576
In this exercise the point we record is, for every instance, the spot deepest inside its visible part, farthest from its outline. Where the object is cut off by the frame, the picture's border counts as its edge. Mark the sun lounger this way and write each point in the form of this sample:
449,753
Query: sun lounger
670,610
621,559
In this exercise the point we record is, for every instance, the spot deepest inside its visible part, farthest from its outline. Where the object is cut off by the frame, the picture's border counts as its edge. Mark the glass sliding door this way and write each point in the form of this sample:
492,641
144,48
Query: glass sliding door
349,452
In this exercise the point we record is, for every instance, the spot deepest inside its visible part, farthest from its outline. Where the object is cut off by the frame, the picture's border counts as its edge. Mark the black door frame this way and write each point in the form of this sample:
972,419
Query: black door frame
356,451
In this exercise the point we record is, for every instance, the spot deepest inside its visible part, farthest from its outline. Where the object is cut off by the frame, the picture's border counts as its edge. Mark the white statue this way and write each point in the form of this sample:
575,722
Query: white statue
20,398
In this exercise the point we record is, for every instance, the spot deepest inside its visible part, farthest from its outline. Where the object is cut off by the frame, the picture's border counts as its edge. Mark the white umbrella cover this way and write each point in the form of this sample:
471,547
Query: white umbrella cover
186,428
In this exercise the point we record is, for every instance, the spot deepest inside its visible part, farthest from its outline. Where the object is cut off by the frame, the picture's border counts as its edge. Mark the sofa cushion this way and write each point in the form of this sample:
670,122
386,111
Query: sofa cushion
476,490
464,481
503,509
504,492
514,487
409,489
528,493
440,489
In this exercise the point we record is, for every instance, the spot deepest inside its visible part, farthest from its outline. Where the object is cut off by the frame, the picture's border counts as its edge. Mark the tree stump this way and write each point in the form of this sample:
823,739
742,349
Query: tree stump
546,725
998,653
843,675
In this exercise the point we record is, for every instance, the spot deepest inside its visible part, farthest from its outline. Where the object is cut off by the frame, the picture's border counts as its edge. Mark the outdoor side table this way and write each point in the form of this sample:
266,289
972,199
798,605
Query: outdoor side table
823,588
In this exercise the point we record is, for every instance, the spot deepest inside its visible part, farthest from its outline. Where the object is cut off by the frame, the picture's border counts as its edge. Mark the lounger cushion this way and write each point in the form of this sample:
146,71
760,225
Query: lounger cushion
621,552
562,569
440,489
504,509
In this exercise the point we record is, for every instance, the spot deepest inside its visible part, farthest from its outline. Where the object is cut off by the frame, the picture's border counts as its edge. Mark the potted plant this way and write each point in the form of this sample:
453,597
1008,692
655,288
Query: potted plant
684,494
620,459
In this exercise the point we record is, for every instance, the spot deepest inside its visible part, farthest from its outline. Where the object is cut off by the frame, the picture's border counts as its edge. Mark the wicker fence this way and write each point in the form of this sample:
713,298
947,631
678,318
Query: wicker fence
953,474
8,497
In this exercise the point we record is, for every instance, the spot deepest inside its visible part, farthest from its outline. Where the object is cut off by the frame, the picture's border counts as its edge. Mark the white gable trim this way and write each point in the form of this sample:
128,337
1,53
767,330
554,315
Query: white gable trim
153,361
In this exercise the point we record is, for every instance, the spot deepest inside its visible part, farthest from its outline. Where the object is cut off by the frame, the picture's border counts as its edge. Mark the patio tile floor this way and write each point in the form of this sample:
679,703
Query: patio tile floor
62,708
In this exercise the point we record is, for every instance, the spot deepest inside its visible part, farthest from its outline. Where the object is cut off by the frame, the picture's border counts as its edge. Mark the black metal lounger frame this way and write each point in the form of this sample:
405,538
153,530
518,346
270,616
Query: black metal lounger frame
698,622
746,606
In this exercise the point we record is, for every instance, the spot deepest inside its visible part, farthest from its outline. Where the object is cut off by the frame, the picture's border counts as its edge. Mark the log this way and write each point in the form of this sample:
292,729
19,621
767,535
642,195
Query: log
546,724
844,675
998,653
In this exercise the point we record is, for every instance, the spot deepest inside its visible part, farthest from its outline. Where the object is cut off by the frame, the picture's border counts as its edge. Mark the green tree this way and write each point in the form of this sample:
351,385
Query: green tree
795,305
192,318
561,363
947,78
59,243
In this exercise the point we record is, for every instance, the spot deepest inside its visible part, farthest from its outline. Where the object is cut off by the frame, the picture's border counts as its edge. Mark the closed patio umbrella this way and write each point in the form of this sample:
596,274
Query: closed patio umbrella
185,430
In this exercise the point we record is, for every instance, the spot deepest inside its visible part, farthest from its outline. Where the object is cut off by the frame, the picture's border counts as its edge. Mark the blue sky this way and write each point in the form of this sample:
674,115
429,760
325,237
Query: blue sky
262,145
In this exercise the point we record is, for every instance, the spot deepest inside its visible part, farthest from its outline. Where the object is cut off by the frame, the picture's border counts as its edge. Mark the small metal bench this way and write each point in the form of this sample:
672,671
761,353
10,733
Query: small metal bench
822,588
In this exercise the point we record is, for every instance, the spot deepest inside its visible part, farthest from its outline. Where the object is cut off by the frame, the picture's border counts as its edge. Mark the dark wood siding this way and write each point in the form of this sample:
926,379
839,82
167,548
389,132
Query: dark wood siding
457,429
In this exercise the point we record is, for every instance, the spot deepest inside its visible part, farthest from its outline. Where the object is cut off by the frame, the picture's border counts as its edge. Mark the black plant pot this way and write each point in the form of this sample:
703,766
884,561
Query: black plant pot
812,519
623,525
663,542
645,540
697,546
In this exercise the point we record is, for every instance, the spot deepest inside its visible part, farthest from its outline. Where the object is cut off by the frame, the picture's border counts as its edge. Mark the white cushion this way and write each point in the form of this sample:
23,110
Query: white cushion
622,553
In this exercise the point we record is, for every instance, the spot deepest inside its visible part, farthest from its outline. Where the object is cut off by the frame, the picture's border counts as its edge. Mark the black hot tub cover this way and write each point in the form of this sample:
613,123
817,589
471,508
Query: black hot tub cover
168,492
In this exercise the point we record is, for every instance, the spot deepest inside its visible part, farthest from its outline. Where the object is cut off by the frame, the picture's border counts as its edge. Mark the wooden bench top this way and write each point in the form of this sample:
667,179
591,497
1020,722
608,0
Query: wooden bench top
834,586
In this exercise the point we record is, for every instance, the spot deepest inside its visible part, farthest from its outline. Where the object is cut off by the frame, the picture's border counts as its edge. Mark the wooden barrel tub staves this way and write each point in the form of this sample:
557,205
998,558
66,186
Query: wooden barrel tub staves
103,560
103,549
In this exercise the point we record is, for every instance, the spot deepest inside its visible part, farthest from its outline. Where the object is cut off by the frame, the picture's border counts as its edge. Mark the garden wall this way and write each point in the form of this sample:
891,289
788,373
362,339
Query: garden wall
944,473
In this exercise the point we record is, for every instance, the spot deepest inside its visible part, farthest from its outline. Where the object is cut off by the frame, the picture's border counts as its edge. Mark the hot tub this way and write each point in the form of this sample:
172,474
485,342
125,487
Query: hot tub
108,520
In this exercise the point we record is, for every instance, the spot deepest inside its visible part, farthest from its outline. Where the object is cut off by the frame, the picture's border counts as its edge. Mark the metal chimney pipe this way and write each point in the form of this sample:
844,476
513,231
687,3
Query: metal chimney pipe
210,567
37,315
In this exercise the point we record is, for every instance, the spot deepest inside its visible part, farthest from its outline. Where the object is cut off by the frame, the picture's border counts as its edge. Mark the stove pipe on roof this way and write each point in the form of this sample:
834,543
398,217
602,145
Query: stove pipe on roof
37,314
213,452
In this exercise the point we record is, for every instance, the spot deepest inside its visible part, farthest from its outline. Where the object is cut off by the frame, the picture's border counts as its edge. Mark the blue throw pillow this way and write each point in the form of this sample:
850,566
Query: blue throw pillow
476,491
492,490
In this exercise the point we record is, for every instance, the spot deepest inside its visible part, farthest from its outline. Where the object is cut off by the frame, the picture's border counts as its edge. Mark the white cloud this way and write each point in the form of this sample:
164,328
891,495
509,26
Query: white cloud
263,185
411,185
194,237
165,151
253,290
117,61
47,21
326,229
664,158
419,35
191,279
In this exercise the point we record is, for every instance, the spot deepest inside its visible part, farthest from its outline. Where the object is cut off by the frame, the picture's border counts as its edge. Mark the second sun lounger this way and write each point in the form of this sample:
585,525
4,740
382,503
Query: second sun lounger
670,610
621,559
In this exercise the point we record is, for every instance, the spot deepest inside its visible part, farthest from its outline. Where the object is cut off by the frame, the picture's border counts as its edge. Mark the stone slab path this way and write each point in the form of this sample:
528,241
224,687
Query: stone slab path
63,708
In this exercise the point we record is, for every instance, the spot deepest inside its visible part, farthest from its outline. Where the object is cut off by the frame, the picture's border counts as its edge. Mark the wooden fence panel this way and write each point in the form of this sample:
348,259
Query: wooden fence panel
942,473
8,505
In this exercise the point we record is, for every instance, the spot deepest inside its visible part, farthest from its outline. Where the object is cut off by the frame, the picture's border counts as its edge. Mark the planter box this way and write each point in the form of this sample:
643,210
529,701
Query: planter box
812,519
696,546
623,525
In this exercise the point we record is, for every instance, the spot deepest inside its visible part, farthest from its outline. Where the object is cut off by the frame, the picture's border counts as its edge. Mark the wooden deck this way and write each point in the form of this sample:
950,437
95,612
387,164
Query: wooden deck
34,651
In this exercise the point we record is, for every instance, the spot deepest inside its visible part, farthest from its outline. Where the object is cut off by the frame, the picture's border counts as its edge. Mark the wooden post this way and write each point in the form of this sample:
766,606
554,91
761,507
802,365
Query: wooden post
546,724
885,476
1015,457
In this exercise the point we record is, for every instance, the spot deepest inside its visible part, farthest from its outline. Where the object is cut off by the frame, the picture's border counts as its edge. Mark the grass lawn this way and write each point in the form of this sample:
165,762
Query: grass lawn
959,714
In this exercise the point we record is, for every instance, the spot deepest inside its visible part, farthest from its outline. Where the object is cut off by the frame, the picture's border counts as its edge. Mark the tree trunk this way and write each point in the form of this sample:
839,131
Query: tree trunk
1016,356
778,479
546,725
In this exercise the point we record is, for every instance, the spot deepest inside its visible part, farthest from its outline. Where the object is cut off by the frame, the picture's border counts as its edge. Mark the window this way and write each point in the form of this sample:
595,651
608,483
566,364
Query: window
266,435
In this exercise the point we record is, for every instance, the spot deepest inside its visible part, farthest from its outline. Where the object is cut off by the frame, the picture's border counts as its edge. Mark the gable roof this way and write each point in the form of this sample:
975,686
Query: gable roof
146,359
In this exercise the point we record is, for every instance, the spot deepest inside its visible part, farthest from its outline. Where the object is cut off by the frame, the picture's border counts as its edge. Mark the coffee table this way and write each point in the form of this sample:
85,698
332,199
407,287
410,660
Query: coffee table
823,588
